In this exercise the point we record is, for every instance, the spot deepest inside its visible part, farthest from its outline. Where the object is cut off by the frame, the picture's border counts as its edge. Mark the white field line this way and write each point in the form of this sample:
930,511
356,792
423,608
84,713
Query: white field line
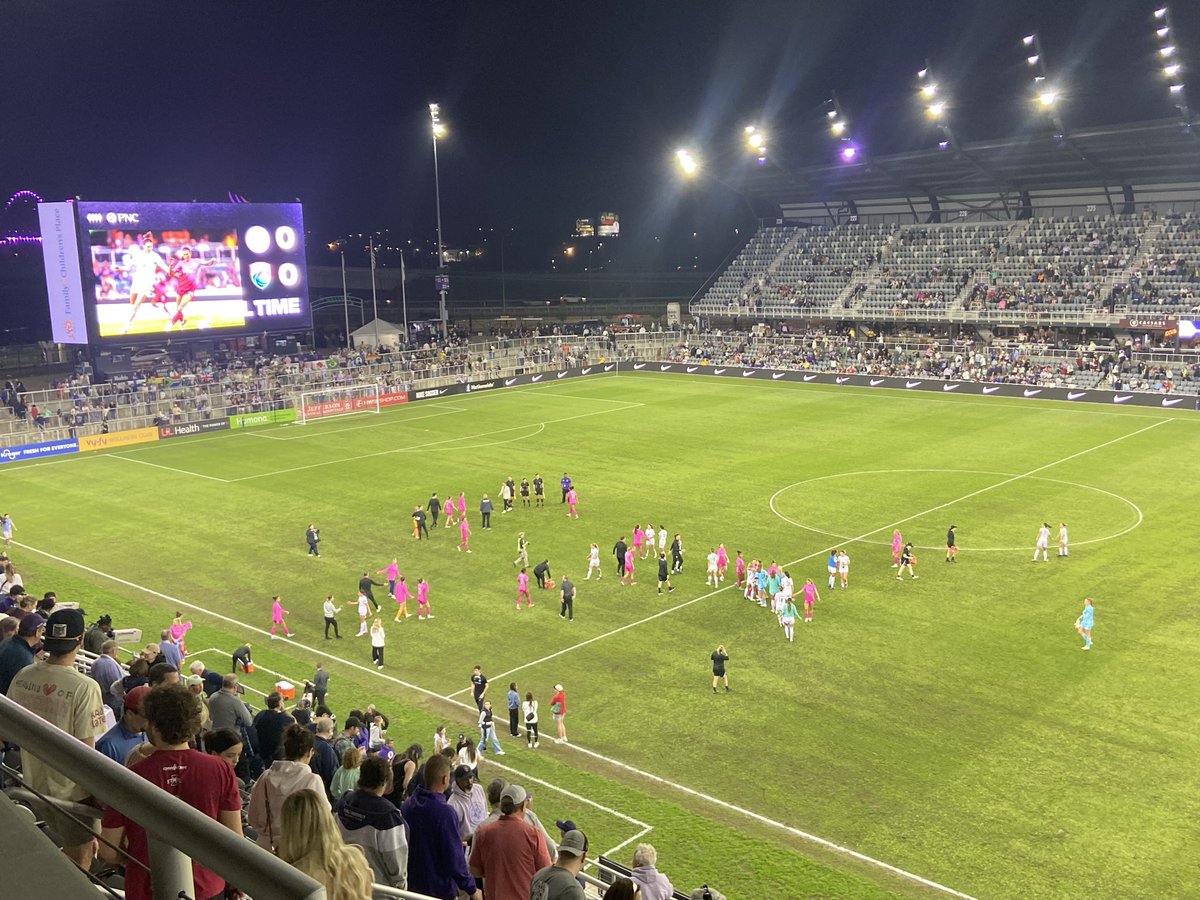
167,468
450,440
450,699
859,392
822,552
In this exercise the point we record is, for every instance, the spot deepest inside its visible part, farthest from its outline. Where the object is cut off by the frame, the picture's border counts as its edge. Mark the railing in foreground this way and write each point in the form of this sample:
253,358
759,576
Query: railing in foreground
176,832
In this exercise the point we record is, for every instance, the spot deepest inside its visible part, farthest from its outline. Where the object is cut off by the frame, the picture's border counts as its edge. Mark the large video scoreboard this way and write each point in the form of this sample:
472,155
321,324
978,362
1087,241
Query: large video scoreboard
116,271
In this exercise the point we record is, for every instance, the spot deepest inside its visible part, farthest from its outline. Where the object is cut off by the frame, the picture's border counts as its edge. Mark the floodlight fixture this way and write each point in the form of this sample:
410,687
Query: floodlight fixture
832,113
1029,39
838,128
923,73
928,90
1160,13
687,162
1172,70
943,145
935,110
1032,60
1047,98
1163,32
1176,89
849,152
1168,50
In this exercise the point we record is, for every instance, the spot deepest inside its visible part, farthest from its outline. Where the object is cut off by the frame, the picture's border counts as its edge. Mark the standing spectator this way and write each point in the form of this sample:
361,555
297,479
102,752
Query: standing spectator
106,672
469,803
558,709
557,881
565,484
364,587
485,511
368,820
284,778
514,710
324,760
204,782
346,777
55,691
195,684
320,685
378,639
529,711
227,708
313,537
310,841
568,599
487,729
170,649
330,611
508,853
435,507
653,883
270,725
479,686
129,732
437,865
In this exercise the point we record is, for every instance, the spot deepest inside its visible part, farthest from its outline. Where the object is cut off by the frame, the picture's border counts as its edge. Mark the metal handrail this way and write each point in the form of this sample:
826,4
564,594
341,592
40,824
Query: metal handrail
175,831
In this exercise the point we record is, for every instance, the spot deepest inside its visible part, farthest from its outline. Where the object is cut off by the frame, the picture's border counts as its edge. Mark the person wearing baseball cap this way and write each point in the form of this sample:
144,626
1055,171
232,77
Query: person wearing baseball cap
508,852
129,732
557,881
17,652
54,690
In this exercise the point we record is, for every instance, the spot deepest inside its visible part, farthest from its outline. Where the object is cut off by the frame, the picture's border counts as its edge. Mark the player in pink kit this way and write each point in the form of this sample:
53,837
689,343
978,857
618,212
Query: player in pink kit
402,594
740,569
810,597
572,499
423,609
523,590
629,557
186,272
392,570
278,613
897,546
178,629
722,561
639,538
464,531
448,509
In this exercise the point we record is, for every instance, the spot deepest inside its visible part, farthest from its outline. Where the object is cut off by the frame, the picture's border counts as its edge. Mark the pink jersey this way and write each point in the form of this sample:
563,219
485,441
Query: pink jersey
403,593
423,593
523,583
277,611
628,560
897,543
638,537
464,528
810,594
392,571
741,566
462,504
773,569
178,631
571,496
722,557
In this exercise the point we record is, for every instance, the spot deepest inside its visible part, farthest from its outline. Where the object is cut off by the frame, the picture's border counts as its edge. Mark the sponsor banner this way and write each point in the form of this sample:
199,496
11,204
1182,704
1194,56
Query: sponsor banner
433,393
188,428
481,385
395,398
352,404
64,280
33,451
269,417
1149,323
940,386
117,439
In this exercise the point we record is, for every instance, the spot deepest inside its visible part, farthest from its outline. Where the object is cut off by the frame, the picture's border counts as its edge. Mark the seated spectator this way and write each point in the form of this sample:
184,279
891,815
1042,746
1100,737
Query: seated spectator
201,781
346,777
365,817
17,653
310,842
623,889
129,732
284,778
163,673
653,884
8,628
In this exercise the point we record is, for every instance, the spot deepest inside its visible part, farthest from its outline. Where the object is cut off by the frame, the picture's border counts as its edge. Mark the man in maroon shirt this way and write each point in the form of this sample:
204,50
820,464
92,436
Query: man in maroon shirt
204,782
507,853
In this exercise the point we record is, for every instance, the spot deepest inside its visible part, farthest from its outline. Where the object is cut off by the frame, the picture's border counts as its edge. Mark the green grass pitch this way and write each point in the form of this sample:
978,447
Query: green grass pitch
949,726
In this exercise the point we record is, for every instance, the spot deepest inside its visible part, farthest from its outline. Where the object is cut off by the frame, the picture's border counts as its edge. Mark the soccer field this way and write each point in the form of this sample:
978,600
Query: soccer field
949,726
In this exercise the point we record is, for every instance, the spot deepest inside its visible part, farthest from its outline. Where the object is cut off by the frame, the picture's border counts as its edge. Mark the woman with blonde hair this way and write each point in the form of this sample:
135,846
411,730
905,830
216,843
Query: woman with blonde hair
310,842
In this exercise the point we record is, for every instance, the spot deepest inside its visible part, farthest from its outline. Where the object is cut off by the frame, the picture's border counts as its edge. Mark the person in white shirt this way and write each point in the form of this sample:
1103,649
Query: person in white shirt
331,611
1043,542
843,567
364,610
648,547
529,712
711,577
1063,549
593,563
662,539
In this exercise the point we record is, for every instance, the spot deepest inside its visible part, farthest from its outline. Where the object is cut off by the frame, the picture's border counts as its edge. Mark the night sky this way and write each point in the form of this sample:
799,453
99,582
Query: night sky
554,110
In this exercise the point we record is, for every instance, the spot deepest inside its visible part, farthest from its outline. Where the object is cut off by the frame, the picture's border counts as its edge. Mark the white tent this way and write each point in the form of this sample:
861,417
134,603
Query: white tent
389,335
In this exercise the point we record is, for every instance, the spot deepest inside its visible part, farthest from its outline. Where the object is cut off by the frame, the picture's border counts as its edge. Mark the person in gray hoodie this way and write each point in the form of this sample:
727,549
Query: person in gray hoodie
368,819
284,778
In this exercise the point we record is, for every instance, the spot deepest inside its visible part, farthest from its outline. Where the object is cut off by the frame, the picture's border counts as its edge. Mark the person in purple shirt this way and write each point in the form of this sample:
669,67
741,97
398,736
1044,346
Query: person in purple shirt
437,865
566,486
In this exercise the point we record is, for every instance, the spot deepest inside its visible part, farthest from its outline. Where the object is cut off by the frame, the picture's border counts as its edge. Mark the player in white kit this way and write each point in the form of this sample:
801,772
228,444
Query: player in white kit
1043,543
843,567
1063,547
143,263
593,563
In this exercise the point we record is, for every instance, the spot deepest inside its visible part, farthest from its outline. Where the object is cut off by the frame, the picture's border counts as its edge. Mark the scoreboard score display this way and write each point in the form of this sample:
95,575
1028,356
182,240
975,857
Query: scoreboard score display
117,271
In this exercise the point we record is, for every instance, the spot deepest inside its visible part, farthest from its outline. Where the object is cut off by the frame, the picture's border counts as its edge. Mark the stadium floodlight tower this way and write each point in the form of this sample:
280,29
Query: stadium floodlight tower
1172,68
438,129
756,142
933,98
687,162
1046,95
839,127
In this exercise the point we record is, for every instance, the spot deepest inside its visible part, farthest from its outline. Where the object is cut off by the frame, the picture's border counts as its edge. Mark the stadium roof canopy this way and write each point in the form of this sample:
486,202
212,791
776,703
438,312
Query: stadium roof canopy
1116,157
